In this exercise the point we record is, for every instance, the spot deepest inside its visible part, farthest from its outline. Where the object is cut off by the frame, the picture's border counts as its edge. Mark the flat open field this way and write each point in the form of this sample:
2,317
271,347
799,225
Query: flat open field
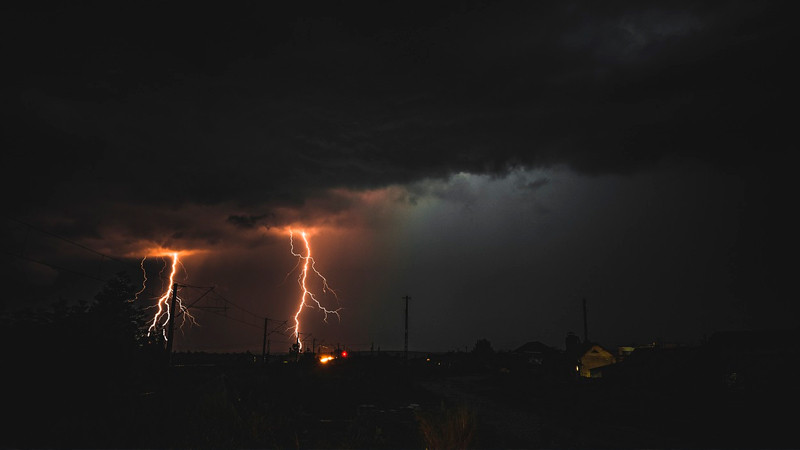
382,402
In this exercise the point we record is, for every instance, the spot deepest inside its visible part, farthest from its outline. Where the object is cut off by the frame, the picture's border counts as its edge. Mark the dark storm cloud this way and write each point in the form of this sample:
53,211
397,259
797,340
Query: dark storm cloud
246,221
266,104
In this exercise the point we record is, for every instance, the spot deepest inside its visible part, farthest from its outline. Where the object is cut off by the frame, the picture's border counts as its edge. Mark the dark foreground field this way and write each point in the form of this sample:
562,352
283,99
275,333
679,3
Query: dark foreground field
382,402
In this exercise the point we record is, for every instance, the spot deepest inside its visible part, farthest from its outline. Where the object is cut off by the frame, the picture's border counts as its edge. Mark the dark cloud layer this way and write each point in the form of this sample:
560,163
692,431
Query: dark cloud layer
265,103
208,126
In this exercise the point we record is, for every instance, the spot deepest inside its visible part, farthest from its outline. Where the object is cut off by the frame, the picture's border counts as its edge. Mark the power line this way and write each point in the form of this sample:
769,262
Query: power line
69,241
197,287
64,269
237,306
53,266
210,289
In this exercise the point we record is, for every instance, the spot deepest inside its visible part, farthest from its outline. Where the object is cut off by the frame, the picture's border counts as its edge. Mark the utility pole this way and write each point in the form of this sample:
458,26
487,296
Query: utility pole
585,324
264,344
405,348
171,329
266,336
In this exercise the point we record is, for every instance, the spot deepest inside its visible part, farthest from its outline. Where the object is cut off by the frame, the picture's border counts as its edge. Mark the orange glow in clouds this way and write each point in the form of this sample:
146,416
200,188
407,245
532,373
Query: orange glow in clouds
308,263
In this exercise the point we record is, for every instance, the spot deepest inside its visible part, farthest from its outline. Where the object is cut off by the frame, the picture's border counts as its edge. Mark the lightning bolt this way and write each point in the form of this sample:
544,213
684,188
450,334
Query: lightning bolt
144,281
308,264
162,314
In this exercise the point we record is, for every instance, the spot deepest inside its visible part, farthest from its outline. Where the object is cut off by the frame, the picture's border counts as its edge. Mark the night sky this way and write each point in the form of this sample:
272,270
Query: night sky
497,162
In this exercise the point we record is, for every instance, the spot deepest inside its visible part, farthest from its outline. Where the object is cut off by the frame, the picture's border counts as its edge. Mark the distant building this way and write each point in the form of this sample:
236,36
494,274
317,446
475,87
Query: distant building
624,351
582,359
657,364
572,341
592,358
536,353
542,361
762,361
588,358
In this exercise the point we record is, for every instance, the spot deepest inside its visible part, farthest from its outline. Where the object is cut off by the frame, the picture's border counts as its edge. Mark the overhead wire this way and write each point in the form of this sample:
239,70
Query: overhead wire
210,289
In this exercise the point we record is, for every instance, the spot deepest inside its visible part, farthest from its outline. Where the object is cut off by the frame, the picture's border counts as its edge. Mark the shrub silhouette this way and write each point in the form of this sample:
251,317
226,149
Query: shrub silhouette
451,427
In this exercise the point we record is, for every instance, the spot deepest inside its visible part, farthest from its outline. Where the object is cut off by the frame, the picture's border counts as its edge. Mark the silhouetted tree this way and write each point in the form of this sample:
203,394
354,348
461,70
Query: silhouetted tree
483,348
72,365
117,323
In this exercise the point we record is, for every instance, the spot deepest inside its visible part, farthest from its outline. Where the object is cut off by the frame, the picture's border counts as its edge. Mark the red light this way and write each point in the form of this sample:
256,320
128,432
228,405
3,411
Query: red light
344,353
